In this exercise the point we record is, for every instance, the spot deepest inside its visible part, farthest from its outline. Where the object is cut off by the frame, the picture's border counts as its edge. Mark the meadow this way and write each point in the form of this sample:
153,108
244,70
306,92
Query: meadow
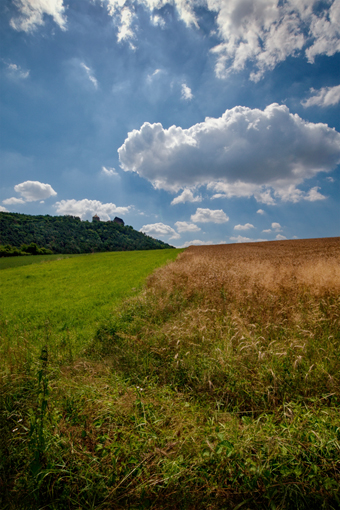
215,385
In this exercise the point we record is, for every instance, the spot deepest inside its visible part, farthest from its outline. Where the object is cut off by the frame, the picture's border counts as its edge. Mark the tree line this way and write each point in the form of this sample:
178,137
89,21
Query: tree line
22,234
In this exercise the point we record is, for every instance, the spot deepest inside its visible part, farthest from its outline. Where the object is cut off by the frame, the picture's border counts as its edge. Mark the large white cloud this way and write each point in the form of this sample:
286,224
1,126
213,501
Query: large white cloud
86,208
159,229
242,153
32,12
327,96
34,190
209,216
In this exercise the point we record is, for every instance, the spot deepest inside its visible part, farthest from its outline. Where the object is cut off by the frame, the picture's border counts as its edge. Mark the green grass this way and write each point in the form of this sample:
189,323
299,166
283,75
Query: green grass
64,300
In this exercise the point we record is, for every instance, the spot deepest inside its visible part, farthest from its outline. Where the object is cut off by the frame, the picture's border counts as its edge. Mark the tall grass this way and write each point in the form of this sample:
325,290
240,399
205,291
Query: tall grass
217,386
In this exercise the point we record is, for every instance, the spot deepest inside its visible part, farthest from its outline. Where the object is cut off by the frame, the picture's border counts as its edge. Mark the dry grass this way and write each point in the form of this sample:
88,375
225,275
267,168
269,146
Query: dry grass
245,268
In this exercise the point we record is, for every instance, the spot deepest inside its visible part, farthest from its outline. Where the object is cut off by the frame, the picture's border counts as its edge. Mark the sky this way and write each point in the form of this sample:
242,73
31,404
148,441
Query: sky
195,121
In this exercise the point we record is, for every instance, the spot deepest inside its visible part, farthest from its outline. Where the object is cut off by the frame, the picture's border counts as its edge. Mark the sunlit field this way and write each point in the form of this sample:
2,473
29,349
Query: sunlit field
63,300
214,386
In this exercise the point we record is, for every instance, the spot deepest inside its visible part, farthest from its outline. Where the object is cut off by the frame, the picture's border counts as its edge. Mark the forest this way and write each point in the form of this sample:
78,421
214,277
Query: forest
68,234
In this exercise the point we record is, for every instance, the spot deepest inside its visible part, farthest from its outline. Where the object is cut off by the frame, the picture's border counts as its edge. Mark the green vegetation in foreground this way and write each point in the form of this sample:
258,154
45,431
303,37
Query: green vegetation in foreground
68,234
180,401
65,300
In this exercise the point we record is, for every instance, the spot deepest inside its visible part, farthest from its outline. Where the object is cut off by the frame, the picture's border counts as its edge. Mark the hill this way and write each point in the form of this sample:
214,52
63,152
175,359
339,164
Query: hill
68,234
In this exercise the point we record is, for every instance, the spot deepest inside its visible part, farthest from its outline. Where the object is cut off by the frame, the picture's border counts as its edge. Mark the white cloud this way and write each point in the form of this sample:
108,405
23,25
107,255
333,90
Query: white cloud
186,196
314,195
293,194
242,153
90,75
280,237
325,31
15,71
34,190
262,33
267,32
260,211
157,20
277,227
247,226
3,209
330,179
186,93
242,239
125,30
109,172
267,230
196,242
209,215
159,229
327,96
184,226
32,12
13,201
86,208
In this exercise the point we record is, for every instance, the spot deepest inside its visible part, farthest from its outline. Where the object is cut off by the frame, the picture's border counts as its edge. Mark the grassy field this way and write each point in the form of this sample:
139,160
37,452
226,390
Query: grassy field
215,387
25,260
62,300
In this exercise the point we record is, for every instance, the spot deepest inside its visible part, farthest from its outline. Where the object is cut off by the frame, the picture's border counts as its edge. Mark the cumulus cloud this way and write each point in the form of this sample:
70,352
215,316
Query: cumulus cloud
159,229
13,201
209,215
15,71
247,226
90,75
3,209
242,153
327,96
32,12
34,190
186,92
86,208
267,230
260,211
277,227
109,172
186,196
242,239
184,226
280,237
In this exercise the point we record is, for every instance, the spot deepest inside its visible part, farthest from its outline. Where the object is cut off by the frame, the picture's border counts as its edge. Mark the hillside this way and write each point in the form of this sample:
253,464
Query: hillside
68,234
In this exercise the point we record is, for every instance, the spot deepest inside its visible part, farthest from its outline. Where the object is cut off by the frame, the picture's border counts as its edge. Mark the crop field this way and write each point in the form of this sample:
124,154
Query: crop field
216,385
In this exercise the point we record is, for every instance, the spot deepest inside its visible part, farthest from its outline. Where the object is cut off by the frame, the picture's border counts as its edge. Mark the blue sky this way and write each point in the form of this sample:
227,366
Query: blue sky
196,121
